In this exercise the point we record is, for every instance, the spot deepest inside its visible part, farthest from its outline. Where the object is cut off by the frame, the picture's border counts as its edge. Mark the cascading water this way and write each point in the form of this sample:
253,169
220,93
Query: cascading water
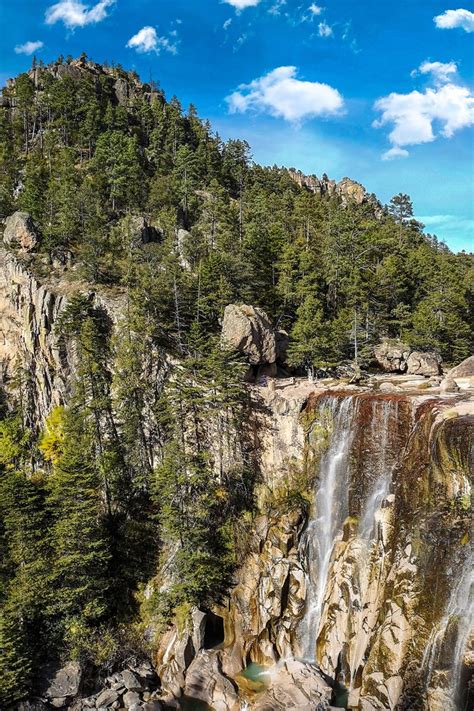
384,413
330,510
447,642
372,534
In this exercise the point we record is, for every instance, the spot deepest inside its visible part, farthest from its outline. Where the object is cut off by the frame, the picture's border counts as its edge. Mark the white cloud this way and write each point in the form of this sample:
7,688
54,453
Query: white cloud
282,95
74,13
242,4
421,117
277,7
451,19
440,71
29,47
227,24
147,40
324,30
315,9
395,152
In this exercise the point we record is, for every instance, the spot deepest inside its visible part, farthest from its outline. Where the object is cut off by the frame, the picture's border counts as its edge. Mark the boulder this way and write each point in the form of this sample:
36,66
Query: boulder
293,687
397,357
206,682
449,385
20,231
131,681
107,697
464,369
392,356
248,330
423,364
66,682
131,698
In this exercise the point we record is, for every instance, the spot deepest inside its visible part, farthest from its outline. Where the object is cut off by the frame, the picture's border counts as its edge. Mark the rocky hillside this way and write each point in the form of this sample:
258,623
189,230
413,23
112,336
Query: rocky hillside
189,343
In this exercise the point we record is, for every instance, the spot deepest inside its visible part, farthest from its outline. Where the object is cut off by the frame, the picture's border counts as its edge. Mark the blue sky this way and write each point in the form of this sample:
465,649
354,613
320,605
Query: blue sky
380,91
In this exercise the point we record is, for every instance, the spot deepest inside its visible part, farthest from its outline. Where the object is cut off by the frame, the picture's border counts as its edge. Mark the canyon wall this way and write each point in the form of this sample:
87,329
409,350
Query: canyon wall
356,570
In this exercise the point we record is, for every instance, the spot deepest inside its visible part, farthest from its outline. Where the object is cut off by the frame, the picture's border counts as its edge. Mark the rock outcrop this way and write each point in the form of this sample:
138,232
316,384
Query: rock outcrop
396,357
426,364
248,330
20,232
464,369
295,685
29,311
347,190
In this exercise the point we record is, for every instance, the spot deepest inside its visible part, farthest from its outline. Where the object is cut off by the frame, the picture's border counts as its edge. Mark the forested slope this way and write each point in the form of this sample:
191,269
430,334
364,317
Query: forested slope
134,196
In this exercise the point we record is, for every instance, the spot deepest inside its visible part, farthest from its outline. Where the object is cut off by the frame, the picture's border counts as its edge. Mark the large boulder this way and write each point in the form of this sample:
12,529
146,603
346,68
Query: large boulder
206,682
294,687
426,364
449,385
397,357
65,682
20,231
248,330
392,356
464,369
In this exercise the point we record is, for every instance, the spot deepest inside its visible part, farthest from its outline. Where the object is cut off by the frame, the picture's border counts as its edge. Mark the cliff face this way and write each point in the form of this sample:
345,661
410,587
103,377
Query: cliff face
357,564
28,312
373,587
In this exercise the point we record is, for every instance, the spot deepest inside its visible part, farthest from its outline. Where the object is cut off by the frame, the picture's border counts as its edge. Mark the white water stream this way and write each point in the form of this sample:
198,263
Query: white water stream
382,431
459,614
325,527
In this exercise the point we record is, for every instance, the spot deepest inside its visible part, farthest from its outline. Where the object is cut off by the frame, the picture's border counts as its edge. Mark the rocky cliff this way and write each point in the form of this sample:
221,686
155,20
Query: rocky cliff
366,581
353,588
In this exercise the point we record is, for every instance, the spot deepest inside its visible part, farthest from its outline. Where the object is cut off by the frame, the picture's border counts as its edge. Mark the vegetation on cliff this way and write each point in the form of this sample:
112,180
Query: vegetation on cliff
131,194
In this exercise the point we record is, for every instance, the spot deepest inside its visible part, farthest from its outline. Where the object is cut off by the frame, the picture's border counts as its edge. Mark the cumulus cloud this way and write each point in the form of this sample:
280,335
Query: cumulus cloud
242,4
451,19
147,40
325,30
395,152
29,47
421,117
281,94
74,13
440,71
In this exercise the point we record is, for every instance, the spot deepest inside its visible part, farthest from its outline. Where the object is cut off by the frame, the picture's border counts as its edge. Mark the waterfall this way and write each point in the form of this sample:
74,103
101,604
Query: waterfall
441,648
382,466
325,526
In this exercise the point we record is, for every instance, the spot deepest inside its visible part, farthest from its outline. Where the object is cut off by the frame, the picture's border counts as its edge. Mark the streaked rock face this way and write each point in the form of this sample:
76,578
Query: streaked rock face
28,312
390,611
